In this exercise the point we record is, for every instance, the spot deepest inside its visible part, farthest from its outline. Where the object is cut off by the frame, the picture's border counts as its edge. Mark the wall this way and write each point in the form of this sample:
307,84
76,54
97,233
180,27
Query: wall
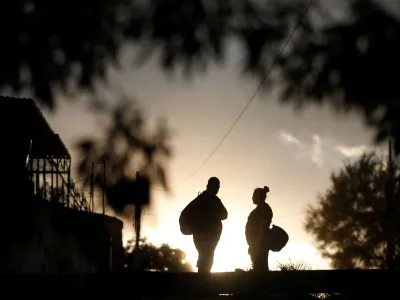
41,237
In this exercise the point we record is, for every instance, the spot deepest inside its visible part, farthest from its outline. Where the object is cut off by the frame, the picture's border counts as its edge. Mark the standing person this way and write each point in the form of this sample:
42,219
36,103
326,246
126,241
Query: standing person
203,218
257,230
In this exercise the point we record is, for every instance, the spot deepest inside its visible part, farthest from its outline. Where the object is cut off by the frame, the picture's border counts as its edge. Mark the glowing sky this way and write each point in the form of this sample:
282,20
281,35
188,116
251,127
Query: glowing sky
271,145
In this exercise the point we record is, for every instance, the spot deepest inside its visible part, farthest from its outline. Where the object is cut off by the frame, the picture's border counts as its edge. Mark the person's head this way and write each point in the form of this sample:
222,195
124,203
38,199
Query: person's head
260,194
213,185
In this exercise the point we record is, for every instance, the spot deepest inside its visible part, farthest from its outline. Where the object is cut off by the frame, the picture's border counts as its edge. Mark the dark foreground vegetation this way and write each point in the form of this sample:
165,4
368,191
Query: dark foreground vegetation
338,284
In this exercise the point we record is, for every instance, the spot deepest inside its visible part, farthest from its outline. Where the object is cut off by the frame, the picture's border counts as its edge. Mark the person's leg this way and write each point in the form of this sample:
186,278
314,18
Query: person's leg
206,245
208,257
259,260
266,260
210,246
200,244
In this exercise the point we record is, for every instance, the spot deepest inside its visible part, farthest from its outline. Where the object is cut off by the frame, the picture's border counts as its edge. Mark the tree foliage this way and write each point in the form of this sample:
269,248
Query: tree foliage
48,45
157,258
349,222
347,62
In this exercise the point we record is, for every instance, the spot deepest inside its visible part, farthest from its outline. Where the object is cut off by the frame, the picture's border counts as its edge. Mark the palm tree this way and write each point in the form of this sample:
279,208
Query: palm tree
134,160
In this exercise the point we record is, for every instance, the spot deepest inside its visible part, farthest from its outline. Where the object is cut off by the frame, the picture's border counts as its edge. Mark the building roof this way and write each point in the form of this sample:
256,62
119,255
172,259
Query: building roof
22,117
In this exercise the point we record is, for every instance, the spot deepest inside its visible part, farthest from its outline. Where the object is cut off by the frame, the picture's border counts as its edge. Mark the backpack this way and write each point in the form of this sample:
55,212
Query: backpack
185,219
184,222
278,238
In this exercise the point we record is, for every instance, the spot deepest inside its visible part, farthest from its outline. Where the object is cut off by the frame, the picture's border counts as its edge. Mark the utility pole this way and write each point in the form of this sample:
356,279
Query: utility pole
136,223
141,194
104,187
389,209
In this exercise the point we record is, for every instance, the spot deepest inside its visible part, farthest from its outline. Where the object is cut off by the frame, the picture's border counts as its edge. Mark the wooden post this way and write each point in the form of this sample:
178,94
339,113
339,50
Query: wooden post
110,267
389,209
92,188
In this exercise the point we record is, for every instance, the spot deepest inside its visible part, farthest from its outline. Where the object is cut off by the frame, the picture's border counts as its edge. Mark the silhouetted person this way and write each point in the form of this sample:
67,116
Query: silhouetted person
203,217
257,230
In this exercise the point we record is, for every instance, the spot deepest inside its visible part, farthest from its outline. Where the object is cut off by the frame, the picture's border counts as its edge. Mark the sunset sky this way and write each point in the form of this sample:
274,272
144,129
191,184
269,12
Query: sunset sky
271,145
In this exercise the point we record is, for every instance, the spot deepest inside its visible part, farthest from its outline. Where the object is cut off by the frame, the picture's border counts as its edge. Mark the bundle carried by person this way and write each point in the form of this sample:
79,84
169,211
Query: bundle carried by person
278,238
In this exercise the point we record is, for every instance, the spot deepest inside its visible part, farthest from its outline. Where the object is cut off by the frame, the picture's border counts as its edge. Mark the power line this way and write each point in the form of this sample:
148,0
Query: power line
290,215
280,216
251,98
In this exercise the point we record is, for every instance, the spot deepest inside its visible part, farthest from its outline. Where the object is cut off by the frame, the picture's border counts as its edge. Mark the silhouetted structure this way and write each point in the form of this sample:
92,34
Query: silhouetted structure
57,240
56,230
98,237
202,218
34,149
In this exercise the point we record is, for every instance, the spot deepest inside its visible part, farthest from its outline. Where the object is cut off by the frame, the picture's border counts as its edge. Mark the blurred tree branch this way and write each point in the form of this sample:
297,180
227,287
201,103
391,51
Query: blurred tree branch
68,44
127,147
348,62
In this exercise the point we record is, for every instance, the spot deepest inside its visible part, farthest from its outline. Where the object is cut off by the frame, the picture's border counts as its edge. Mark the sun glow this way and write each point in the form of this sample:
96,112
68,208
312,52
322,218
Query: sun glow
228,255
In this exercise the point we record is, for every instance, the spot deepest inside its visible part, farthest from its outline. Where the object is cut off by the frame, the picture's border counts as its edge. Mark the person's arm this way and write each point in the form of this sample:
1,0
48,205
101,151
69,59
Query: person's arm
265,223
247,232
253,229
264,227
223,213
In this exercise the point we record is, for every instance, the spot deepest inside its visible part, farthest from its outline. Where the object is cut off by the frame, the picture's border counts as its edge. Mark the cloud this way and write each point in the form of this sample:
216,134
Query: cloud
312,151
316,151
352,151
290,138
